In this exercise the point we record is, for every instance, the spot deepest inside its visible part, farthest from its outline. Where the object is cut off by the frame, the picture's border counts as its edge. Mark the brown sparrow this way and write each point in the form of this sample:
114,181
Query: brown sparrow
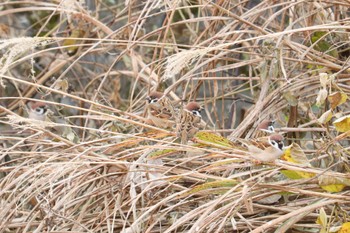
265,128
40,111
37,110
189,122
160,110
267,149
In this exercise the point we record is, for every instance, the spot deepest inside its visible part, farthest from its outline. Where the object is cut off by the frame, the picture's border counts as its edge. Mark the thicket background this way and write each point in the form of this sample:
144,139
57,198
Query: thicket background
95,61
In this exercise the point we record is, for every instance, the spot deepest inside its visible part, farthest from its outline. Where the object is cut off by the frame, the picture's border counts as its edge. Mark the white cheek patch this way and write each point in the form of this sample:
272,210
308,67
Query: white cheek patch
153,101
278,145
39,111
197,113
271,128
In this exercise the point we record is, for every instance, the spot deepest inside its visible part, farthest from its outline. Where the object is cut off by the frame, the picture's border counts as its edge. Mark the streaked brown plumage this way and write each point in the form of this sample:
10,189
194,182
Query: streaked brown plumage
267,149
265,128
189,122
160,110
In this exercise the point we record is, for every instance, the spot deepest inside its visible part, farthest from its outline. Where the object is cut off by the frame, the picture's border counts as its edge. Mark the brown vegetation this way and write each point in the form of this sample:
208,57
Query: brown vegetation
97,166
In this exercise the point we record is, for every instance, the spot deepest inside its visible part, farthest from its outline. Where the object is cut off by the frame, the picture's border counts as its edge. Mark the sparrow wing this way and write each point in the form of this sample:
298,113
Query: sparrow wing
160,122
270,154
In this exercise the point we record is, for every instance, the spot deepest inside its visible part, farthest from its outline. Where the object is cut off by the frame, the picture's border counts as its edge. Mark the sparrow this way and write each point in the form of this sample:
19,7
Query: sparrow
37,110
267,149
265,128
160,110
189,122
40,111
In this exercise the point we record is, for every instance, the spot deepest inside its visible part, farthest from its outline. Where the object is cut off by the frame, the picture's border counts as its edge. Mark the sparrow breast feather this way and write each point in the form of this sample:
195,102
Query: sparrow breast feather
160,110
268,151
189,122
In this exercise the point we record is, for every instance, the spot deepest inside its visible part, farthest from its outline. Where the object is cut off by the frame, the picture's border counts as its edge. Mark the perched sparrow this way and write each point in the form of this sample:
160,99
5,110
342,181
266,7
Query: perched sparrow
160,110
189,122
265,128
37,110
267,150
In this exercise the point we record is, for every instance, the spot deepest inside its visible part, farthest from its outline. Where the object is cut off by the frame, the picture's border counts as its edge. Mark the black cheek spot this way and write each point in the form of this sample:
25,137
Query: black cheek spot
280,145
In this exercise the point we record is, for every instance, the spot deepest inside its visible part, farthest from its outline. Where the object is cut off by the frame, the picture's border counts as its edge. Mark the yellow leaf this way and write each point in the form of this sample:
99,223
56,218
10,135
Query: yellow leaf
295,154
162,153
342,124
291,174
333,188
322,218
327,116
212,139
345,228
331,184
337,98
72,41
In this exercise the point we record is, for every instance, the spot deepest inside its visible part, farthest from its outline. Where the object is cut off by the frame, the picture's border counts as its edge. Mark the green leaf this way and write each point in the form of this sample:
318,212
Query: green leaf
162,153
211,139
211,185
291,174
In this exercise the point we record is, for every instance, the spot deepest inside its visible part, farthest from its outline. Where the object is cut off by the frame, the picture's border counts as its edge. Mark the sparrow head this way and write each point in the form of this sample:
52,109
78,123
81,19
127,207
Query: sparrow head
267,126
195,108
154,96
276,140
37,107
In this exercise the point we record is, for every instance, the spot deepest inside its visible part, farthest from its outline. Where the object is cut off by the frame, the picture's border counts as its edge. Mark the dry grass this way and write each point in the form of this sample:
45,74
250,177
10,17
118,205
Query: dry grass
94,62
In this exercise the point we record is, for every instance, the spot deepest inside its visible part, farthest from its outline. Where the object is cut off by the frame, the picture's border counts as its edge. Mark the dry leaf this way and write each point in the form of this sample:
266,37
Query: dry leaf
210,186
342,124
321,97
213,139
324,80
336,99
162,153
327,116
270,199
291,174
72,43
61,85
295,154
331,184
322,220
